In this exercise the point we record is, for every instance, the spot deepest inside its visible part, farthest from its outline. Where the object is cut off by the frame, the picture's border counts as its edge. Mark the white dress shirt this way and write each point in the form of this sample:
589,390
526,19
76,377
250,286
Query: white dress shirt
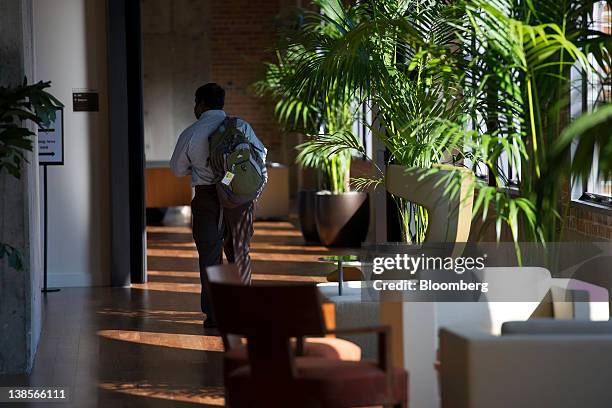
191,152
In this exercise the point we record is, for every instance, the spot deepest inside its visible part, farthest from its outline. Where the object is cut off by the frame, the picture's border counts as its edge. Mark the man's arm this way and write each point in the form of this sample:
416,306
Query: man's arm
180,163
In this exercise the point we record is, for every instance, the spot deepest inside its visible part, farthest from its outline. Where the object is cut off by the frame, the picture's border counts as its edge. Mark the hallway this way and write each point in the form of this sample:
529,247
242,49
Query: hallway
145,346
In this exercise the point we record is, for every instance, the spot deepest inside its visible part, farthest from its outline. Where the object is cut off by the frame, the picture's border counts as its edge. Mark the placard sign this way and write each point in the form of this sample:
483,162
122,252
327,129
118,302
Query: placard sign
85,101
51,141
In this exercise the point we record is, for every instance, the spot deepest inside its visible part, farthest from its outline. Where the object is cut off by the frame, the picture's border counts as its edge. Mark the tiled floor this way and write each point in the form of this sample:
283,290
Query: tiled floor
145,346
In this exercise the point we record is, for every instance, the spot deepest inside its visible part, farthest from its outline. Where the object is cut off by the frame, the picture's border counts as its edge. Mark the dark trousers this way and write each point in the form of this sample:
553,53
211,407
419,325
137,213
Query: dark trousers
233,236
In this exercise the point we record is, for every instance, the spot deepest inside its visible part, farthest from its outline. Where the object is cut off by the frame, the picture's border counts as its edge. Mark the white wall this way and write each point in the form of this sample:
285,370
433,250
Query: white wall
70,51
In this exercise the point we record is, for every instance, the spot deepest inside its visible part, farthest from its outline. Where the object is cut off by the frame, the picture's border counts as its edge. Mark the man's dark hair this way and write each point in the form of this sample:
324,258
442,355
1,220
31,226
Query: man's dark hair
211,95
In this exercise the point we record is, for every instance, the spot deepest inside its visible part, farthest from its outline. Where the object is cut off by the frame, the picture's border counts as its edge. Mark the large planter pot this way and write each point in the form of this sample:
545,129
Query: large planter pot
155,216
342,219
306,213
450,216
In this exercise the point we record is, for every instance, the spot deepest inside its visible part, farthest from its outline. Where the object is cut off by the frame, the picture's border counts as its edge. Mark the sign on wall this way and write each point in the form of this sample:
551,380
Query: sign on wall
85,100
51,141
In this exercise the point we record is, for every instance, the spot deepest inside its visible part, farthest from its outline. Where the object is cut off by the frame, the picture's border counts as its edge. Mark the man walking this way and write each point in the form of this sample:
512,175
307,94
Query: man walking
214,228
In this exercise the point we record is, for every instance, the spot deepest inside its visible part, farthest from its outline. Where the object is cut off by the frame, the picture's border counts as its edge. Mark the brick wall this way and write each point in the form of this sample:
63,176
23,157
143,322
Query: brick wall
582,223
242,33
190,42
591,223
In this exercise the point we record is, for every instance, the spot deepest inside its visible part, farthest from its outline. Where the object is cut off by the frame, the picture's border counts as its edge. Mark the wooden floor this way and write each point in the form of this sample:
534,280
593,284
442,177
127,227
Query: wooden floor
144,346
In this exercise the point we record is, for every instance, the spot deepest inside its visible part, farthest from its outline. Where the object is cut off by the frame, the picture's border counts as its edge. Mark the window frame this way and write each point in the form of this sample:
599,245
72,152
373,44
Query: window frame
584,191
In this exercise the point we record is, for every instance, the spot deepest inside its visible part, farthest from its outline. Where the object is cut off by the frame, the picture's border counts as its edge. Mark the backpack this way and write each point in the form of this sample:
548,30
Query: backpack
237,165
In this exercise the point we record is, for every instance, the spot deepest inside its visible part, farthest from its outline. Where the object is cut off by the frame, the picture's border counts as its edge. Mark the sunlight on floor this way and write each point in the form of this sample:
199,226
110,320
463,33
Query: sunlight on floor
256,277
143,313
168,287
172,340
201,395
256,254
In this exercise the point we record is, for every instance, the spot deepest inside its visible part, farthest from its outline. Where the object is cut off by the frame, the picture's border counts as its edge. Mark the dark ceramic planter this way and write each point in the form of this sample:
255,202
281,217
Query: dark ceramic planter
306,209
342,219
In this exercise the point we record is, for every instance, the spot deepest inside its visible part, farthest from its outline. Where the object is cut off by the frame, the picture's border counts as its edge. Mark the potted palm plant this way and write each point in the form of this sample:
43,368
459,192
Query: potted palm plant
449,88
294,116
341,216
333,215
371,56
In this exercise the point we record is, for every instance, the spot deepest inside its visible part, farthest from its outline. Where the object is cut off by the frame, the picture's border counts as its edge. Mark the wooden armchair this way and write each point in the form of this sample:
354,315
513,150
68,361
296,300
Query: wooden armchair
235,346
278,374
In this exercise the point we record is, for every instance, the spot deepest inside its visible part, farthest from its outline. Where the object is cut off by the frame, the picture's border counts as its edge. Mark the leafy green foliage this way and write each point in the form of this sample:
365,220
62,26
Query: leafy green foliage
590,131
519,60
393,56
297,111
332,153
12,255
291,110
471,83
19,105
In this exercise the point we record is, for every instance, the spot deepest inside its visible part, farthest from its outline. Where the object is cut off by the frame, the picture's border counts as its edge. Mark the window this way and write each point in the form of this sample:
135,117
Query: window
598,92
361,126
595,89
597,185
508,170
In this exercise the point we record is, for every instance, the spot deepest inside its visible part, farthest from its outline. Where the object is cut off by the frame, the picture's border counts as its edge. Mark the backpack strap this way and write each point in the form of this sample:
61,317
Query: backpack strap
231,122
227,122
220,223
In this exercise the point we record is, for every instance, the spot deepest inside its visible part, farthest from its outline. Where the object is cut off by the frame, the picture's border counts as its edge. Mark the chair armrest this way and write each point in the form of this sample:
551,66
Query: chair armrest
360,330
384,346
231,340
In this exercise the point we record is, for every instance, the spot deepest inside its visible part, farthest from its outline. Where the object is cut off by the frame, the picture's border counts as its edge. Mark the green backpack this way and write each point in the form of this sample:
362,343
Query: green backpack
237,165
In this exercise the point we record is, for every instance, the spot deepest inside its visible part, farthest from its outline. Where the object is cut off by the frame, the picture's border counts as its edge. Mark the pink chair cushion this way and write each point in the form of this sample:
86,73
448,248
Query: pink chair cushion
332,348
323,347
323,382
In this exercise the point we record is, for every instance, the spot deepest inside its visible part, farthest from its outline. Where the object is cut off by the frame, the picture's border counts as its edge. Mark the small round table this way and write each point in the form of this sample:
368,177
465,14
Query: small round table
341,261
